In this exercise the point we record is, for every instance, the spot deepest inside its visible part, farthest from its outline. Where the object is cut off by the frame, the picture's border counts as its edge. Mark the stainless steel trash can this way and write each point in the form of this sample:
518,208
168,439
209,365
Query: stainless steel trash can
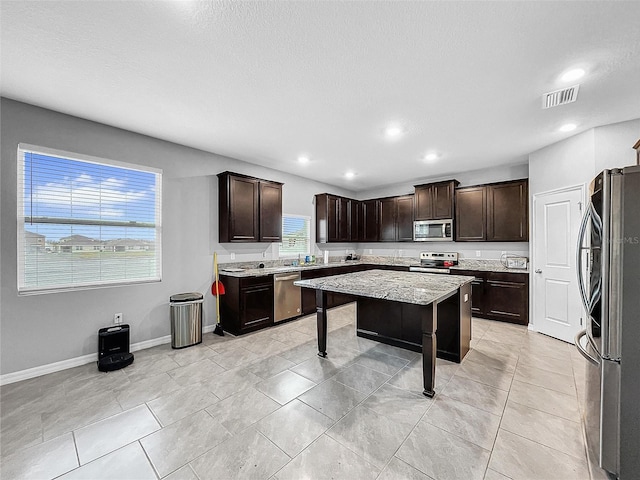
186,319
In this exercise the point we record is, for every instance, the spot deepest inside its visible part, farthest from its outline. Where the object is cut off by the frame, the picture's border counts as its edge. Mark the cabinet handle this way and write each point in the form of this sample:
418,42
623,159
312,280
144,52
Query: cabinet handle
538,270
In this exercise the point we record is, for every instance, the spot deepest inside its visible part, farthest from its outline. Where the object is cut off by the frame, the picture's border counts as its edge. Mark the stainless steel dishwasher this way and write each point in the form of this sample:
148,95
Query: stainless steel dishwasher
287,298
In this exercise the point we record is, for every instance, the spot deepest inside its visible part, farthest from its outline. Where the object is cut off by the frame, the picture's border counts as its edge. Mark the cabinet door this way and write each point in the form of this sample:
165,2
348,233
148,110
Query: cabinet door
443,200
388,220
355,222
369,221
477,290
344,219
256,307
270,212
471,214
243,209
333,218
507,212
404,218
507,297
424,202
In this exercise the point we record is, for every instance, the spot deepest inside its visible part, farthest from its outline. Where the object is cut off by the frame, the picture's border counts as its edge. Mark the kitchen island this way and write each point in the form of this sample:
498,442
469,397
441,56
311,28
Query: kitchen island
410,310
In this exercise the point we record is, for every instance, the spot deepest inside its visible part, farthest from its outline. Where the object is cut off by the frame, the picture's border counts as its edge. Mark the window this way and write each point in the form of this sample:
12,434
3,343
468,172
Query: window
296,235
85,222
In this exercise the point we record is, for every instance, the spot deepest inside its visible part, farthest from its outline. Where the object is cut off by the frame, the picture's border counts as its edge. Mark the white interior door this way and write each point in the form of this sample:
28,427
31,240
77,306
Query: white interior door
557,309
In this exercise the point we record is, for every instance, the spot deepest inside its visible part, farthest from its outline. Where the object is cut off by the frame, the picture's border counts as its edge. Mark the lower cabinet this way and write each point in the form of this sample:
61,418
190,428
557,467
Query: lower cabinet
247,304
500,296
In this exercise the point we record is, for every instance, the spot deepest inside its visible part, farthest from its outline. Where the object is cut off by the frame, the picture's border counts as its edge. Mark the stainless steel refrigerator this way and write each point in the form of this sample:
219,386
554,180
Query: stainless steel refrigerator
609,277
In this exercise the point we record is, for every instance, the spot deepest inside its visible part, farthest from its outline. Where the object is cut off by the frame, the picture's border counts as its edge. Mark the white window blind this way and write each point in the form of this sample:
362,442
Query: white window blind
85,222
296,235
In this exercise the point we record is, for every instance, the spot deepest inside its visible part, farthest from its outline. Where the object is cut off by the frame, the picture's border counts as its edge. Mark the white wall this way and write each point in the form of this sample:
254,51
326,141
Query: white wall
37,330
472,177
578,159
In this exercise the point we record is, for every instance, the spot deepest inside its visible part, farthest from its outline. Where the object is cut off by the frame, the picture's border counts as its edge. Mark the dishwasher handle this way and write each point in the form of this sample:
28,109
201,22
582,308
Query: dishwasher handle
286,278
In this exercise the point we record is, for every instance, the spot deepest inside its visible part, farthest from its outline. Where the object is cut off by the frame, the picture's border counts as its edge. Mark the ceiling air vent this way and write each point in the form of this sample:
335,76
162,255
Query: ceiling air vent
560,97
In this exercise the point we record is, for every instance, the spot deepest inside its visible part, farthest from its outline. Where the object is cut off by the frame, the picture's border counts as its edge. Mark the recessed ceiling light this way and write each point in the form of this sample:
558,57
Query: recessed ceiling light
303,159
393,132
572,75
350,174
568,127
430,157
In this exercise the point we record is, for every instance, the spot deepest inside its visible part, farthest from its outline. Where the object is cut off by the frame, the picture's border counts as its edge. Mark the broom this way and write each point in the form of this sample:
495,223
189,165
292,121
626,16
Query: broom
217,289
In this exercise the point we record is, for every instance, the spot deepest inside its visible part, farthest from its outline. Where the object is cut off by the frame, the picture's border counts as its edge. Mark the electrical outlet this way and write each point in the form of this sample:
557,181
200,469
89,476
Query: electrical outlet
371,251
478,253
399,253
264,254
233,256
117,318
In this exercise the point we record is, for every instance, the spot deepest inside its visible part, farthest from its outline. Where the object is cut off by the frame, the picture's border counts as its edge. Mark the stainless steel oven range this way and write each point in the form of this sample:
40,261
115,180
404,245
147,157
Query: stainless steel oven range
435,262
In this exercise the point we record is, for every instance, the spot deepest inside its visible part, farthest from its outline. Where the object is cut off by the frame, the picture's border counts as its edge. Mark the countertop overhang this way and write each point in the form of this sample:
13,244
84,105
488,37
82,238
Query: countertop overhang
405,287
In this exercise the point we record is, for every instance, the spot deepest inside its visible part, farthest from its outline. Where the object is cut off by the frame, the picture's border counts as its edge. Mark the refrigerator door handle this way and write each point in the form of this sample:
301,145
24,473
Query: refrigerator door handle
581,235
582,350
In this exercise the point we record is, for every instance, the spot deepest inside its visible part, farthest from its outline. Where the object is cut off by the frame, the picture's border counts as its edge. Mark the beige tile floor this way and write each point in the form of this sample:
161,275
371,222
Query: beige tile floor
265,406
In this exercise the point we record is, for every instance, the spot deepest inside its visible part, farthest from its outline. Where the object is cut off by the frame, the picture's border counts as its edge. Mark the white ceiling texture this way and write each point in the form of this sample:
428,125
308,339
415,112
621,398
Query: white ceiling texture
266,82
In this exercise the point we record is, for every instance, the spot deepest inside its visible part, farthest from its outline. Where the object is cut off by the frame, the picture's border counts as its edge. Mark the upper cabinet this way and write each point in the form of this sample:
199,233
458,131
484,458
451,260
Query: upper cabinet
396,219
435,201
334,219
471,211
496,212
368,223
507,212
249,209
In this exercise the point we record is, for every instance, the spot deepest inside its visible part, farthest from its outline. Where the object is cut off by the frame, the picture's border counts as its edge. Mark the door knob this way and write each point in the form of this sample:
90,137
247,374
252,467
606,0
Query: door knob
538,270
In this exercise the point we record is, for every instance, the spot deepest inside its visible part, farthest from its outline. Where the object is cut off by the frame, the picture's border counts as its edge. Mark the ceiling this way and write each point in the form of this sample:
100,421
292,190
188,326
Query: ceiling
266,82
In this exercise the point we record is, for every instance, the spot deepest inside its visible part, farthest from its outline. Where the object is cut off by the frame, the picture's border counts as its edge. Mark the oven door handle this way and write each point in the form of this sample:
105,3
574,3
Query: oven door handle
582,350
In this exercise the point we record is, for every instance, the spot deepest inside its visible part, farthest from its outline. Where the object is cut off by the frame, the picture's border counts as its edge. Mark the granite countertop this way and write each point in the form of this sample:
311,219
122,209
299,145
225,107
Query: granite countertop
251,270
406,287
487,266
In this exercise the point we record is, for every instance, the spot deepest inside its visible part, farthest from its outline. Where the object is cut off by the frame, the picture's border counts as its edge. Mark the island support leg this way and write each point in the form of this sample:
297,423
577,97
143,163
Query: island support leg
321,314
429,348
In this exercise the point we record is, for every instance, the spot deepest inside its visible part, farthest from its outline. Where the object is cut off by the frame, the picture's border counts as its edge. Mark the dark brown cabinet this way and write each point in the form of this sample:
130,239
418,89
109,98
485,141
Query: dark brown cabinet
247,304
334,219
270,211
470,216
500,296
477,290
435,201
396,219
387,215
507,212
249,209
368,228
495,212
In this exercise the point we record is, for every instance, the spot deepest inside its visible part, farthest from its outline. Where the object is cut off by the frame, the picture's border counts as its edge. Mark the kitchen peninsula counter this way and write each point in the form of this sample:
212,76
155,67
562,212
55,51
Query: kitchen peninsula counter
423,312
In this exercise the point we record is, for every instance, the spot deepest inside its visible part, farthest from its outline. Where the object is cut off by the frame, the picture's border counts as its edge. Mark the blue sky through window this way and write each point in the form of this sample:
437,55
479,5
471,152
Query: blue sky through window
56,187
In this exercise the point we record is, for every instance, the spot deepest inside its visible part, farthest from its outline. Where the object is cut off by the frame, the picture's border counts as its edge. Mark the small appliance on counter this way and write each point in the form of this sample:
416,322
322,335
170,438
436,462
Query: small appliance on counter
514,261
435,262
113,348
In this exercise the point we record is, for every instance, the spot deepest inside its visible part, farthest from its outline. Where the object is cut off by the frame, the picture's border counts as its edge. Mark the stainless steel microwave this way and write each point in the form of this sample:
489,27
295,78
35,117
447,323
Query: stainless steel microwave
433,230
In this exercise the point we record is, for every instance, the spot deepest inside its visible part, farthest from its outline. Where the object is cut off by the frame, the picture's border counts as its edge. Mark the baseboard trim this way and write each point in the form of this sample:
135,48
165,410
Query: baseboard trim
20,375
